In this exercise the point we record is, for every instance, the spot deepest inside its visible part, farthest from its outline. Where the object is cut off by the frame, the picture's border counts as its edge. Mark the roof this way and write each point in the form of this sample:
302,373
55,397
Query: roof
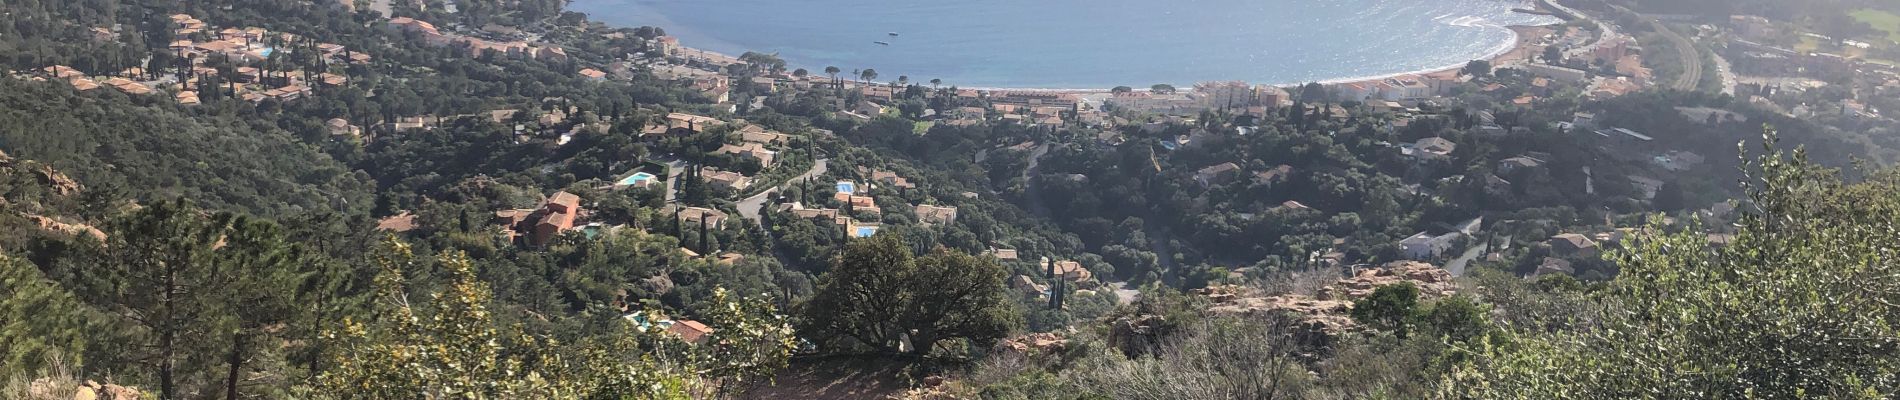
1575,241
698,213
565,199
560,220
1219,169
1004,254
1522,162
760,136
690,331
1275,174
399,223
1072,270
936,214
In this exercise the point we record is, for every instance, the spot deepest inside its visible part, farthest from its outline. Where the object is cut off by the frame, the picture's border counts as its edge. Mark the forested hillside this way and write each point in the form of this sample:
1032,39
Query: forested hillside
294,199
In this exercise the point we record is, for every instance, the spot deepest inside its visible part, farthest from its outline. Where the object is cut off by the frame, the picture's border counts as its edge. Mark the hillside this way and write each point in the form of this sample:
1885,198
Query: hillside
292,199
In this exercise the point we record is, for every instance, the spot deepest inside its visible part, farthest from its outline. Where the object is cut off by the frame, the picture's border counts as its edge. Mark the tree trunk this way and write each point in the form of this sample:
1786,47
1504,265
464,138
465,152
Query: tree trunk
237,364
167,389
167,337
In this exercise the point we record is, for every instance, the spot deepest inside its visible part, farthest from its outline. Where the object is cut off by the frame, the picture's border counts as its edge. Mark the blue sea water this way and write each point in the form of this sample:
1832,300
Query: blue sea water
1090,43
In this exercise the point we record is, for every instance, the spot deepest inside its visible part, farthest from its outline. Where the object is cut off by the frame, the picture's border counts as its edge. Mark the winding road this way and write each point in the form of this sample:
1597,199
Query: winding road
750,207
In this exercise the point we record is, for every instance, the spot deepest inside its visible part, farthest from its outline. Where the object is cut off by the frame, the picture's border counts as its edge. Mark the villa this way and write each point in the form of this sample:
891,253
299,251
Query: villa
1424,246
555,216
1216,174
695,215
858,203
935,215
726,180
756,134
593,74
1431,148
1572,245
753,151
1070,270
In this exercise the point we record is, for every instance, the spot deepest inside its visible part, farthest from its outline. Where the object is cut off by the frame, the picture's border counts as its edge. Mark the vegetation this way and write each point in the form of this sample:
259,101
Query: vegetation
880,297
232,249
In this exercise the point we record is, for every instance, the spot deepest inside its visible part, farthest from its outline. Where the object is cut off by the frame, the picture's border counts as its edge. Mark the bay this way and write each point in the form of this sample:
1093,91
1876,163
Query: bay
1091,44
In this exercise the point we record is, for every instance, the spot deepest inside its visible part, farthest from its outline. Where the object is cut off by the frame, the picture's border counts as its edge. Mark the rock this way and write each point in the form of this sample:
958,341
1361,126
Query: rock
43,388
58,182
1329,312
116,392
1137,335
85,393
1034,344
657,285
54,226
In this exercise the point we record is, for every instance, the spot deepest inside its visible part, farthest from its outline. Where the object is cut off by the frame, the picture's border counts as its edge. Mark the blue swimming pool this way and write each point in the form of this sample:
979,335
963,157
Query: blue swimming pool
847,187
638,179
866,231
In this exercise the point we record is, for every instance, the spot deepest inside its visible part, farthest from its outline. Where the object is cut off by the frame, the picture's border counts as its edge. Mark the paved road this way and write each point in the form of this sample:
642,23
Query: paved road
1123,294
1727,72
381,6
750,207
1457,267
1606,31
1029,181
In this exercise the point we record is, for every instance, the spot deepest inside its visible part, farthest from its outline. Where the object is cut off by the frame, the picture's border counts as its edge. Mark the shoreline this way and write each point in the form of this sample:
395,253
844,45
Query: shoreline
1498,57
1503,54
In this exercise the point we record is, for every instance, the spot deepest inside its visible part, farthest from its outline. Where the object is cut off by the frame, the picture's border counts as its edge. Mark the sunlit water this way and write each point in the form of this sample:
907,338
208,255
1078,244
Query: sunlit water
1091,43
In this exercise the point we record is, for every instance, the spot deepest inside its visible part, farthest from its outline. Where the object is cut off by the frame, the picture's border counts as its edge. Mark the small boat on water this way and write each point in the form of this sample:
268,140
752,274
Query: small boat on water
883,43
893,34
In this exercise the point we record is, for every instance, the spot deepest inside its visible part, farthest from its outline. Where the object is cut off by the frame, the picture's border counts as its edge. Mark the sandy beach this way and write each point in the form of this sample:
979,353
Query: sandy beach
1522,49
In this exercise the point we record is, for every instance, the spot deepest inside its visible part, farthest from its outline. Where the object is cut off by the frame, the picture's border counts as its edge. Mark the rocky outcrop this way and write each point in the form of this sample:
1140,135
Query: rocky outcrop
58,389
58,182
657,284
1138,335
1034,344
1329,313
1432,281
70,229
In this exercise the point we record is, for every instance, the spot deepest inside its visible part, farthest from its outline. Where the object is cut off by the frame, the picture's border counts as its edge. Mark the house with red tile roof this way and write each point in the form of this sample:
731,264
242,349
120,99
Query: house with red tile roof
690,331
753,151
1072,271
693,215
936,215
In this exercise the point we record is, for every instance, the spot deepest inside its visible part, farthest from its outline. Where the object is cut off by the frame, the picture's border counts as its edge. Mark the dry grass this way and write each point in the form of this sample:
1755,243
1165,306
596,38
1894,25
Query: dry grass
1304,283
56,382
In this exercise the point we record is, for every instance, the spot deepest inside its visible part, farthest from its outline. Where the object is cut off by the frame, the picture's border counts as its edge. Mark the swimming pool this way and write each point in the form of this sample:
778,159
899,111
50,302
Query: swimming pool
865,231
847,187
638,179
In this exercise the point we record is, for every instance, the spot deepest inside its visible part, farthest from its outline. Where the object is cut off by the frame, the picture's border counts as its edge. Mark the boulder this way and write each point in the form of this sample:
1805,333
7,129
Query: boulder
1034,344
657,285
58,182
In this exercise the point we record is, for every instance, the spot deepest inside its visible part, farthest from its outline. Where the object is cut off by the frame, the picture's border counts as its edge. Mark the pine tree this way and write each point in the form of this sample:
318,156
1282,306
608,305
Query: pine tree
41,321
186,276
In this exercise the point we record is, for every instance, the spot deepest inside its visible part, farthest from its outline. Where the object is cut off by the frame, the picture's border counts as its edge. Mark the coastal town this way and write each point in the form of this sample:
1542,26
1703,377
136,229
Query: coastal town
748,168
450,197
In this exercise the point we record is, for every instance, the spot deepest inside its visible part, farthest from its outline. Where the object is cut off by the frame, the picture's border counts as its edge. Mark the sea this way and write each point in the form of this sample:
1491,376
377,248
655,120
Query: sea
1091,44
